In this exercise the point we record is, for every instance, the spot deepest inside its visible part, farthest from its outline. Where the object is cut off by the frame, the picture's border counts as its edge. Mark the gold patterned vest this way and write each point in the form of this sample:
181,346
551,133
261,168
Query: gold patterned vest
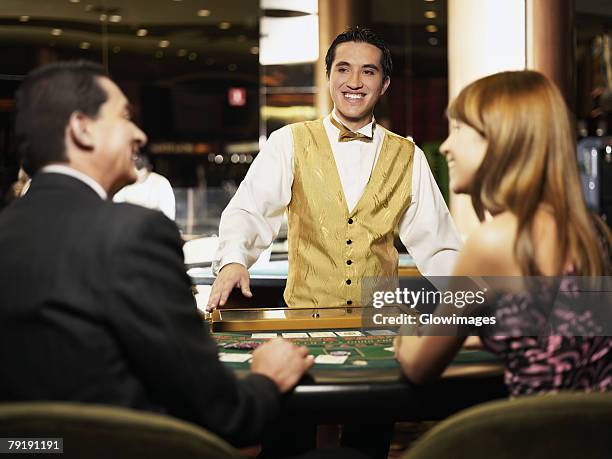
330,248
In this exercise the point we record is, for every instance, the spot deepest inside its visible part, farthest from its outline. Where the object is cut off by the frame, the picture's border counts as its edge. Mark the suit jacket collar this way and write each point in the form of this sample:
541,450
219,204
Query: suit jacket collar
45,181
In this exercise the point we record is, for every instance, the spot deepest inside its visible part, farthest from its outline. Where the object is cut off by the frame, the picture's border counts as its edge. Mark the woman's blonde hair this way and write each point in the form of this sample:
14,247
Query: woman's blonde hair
530,160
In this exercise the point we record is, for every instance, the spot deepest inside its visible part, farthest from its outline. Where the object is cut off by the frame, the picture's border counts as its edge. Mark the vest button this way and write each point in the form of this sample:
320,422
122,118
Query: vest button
349,302
349,242
350,221
348,281
349,262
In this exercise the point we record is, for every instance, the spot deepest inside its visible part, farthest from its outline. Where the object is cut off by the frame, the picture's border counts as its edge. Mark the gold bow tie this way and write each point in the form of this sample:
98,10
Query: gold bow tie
346,135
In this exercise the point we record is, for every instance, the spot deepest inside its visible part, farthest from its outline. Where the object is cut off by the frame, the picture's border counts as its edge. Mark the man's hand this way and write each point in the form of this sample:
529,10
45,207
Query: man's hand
230,276
282,362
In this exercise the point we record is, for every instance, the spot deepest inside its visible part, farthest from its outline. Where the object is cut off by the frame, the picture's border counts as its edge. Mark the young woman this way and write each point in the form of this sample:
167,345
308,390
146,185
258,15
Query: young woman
511,149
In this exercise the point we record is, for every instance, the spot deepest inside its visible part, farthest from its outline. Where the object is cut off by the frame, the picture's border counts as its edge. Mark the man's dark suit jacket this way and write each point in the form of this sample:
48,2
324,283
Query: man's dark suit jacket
95,306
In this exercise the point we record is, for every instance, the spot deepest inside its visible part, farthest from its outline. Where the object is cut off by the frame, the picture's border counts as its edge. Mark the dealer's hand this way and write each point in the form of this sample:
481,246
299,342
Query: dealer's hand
232,275
282,362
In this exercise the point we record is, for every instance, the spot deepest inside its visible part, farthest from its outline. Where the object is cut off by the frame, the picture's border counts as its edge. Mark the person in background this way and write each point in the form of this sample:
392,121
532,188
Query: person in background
151,190
21,186
512,150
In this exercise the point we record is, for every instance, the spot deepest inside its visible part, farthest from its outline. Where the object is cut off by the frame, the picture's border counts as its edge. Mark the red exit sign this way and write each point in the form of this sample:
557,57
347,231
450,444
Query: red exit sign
236,97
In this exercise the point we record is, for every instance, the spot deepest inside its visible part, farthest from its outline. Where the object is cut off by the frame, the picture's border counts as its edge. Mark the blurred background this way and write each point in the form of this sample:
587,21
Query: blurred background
209,80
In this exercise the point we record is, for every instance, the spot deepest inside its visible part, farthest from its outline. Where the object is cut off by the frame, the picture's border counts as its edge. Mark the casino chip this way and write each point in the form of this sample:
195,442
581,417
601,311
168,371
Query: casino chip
243,345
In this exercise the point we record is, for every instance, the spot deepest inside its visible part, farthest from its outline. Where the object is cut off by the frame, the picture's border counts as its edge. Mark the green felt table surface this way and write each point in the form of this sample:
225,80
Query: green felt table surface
368,353
370,381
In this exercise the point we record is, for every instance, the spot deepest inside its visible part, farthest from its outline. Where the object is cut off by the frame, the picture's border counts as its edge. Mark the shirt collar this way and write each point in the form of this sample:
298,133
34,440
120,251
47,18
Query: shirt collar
72,172
365,130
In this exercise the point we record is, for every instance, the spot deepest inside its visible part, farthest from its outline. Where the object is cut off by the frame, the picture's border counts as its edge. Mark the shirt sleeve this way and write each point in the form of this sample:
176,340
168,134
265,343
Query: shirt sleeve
252,219
427,229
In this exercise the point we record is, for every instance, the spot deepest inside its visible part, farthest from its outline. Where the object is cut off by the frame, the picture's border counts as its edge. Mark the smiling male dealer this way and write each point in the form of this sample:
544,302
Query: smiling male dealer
347,184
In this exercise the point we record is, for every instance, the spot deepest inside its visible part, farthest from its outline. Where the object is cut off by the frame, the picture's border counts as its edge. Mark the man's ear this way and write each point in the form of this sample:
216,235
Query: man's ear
79,130
385,85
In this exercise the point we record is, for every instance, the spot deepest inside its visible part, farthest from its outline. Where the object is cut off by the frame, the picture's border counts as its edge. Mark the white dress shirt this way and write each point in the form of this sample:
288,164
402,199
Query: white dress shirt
154,192
252,219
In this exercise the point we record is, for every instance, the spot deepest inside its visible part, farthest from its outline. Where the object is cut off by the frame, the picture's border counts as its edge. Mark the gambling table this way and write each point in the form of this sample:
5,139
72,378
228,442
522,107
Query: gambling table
355,379
367,386
366,379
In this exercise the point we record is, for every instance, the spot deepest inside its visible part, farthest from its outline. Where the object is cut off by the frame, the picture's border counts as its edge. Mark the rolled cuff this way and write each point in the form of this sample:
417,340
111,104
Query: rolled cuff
232,257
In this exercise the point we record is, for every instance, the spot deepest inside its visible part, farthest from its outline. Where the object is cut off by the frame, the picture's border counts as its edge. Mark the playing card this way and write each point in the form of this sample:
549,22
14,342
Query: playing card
290,335
331,359
234,357
381,333
349,333
322,334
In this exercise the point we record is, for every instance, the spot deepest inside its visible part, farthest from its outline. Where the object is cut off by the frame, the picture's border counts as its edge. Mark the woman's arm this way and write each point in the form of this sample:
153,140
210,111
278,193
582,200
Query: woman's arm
424,358
488,252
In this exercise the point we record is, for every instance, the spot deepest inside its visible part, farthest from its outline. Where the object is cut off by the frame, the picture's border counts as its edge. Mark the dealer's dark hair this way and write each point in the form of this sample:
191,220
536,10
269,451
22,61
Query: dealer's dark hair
45,101
360,35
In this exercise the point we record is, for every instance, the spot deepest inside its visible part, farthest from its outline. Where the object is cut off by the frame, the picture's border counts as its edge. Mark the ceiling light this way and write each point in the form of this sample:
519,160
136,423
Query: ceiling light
192,56
88,8
433,41
224,25
430,14
204,13
255,50
164,44
181,52
56,32
103,17
159,54
142,32
115,18
276,46
85,45
232,67
116,49
75,1
430,1
24,18
431,28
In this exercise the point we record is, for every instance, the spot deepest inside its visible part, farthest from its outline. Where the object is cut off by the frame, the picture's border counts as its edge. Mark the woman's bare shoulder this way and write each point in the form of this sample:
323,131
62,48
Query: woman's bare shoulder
489,249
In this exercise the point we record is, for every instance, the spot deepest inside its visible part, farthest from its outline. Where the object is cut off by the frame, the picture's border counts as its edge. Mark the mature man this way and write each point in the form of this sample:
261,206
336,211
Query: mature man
347,184
95,304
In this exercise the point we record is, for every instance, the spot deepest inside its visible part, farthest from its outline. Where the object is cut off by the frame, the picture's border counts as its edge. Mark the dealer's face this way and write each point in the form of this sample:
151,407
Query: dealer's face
117,139
356,82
